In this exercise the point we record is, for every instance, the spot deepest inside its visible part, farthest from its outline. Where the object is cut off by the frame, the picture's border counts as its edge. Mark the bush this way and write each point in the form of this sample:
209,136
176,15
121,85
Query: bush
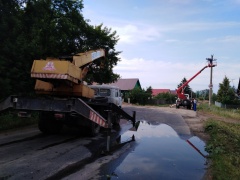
139,96
223,148
10,120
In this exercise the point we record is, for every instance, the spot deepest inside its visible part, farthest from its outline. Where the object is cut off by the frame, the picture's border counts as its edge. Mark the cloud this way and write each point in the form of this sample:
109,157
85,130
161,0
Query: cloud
132,34
197,26
225,39
135,33
167,74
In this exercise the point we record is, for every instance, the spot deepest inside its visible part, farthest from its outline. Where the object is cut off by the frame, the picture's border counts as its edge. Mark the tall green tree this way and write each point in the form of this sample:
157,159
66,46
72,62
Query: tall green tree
12,67
36,29
225,92
187,89
105,38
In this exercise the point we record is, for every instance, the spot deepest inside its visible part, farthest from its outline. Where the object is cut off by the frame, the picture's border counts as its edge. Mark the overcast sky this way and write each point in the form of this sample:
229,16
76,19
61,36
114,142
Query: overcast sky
163,41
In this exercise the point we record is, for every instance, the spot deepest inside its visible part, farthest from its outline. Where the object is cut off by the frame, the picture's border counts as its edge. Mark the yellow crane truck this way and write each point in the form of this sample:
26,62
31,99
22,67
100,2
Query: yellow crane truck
62,97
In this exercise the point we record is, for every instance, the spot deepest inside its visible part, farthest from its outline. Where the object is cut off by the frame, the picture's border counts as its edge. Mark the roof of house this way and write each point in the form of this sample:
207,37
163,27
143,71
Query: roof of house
127,84
173,92
158,91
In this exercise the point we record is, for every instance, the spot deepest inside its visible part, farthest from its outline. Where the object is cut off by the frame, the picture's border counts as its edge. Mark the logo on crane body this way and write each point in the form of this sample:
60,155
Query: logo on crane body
49,66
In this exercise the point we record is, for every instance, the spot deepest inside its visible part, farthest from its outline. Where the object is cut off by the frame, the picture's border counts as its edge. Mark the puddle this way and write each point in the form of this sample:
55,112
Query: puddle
159,152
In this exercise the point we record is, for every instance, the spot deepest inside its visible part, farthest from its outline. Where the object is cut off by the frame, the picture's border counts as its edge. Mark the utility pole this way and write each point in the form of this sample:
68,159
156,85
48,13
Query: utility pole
211,65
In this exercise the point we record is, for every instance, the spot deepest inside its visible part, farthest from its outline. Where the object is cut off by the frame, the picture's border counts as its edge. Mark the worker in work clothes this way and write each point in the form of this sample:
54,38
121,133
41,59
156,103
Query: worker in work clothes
194,104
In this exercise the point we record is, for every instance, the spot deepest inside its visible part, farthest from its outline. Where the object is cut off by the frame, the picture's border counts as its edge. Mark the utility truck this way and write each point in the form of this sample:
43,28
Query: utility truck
106,93
182,98
62,97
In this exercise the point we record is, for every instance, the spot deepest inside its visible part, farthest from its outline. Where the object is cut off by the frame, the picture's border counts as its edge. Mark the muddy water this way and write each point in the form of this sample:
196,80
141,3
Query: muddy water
158,152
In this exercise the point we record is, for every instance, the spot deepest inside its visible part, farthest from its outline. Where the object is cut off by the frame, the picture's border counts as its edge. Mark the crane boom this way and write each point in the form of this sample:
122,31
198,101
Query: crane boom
182,99
180,89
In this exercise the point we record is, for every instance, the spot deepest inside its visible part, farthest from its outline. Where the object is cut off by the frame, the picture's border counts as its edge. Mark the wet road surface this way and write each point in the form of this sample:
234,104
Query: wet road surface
160,150
164,148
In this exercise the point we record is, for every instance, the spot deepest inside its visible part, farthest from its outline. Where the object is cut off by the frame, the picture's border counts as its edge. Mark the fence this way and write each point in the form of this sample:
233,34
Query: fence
227,106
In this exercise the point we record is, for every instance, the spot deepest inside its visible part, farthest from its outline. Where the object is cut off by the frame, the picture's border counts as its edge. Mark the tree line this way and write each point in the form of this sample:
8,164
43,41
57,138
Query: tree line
36,29
226,94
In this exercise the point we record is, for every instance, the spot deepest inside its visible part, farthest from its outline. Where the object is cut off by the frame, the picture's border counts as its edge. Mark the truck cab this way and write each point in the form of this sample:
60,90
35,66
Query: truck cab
107,93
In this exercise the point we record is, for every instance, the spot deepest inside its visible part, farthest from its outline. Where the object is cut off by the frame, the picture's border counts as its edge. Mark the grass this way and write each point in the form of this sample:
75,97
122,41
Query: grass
10,120
224,143
227,113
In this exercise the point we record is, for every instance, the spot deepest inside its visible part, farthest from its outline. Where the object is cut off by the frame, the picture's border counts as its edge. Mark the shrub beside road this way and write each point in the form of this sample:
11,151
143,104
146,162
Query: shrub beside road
223,146
10,120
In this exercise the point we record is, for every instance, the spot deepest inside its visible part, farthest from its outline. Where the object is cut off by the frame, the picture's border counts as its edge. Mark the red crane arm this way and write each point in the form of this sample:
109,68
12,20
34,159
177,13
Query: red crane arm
180,89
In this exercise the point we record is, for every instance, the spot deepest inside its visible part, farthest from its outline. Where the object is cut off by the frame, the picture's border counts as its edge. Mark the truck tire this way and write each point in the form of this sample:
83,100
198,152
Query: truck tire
47,123
185,102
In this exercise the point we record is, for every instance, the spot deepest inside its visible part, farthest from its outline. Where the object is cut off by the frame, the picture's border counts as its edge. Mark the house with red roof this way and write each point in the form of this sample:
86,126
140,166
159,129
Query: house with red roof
155,92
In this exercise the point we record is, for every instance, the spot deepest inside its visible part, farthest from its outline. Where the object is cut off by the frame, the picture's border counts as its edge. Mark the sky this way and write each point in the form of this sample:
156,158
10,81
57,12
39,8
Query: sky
163,41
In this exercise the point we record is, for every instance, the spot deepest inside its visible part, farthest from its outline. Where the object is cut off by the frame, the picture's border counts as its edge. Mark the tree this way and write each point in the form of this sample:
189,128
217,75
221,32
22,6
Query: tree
36,29
139,96
168,97
149,90
225,92
12,67
187,89
103,37
203,94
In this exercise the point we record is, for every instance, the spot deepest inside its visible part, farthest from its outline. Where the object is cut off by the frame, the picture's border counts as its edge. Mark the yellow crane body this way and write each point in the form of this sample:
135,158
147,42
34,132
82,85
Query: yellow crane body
79,90
62,77
55,69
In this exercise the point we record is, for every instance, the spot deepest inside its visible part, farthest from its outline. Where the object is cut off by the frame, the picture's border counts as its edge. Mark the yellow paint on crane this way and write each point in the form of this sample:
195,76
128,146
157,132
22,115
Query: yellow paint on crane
82,59
55,69
79,90
62,77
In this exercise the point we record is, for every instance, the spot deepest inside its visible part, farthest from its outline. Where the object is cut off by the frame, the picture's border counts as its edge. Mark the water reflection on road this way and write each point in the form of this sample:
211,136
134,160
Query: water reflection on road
158,153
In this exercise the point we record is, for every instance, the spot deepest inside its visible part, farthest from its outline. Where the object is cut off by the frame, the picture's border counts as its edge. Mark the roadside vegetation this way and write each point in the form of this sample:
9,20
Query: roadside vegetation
227,113
10,120
224,143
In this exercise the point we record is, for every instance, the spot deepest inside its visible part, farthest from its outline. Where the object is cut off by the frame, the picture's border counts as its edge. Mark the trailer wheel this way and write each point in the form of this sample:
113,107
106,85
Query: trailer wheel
94,129
47,123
